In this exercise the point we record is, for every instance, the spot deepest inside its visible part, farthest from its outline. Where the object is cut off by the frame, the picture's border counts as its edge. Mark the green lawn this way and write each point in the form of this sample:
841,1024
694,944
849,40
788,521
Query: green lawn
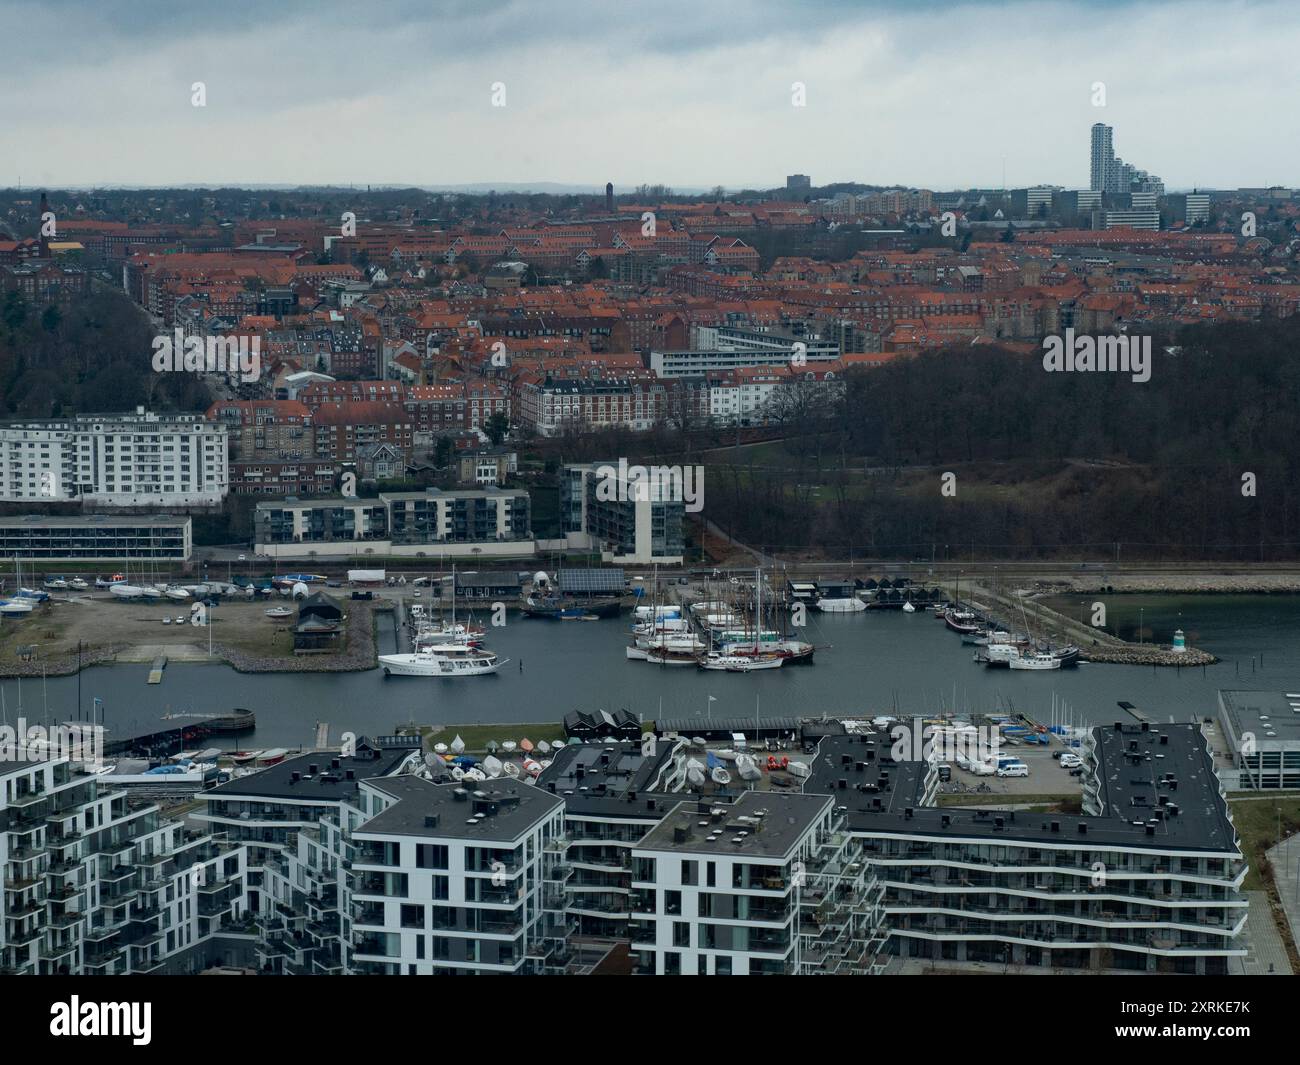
1257,825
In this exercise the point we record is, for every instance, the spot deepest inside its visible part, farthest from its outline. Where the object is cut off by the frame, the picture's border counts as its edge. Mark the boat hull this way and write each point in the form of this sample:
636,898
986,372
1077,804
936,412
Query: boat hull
841,606
420,665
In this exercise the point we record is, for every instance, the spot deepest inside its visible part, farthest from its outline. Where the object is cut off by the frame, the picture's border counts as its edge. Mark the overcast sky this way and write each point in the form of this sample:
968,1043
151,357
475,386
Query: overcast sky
678,92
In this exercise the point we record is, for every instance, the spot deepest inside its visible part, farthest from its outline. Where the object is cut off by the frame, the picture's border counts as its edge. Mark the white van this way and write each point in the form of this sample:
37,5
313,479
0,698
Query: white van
1013,769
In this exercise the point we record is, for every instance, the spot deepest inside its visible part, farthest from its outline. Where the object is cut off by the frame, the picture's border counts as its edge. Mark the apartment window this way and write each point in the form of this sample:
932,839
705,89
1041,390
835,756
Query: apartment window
711,874
431,856
681,934
690,873
413,917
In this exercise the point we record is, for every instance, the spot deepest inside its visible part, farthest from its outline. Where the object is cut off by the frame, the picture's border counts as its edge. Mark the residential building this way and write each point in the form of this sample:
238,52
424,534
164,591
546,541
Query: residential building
456,881
770,884
487,521
603,512
120,460
99,883
1147,878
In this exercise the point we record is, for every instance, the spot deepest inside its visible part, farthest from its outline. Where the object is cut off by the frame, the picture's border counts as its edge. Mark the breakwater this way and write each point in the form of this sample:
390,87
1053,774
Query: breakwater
1095,644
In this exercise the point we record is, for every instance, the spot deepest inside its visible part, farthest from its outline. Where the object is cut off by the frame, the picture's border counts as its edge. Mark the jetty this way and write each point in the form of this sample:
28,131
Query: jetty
156,670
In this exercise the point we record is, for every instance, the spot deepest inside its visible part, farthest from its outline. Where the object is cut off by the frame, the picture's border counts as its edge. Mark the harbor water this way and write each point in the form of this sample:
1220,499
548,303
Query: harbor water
877,662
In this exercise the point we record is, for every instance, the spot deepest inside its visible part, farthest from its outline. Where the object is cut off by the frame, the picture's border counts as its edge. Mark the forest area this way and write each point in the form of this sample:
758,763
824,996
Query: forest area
1196,463
92,355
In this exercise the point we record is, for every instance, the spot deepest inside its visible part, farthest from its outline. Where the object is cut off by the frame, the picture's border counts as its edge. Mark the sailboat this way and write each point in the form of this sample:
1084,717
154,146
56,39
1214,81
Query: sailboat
750,658
120,589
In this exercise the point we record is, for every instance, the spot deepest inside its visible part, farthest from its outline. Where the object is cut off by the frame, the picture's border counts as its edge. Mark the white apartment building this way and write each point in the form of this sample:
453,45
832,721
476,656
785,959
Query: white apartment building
127,460
451,880
769,885
727,347
1134,218
96,883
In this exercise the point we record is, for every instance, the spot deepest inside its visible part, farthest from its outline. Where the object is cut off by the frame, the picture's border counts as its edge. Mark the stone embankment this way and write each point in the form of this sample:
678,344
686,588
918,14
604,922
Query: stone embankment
360,653
1095,645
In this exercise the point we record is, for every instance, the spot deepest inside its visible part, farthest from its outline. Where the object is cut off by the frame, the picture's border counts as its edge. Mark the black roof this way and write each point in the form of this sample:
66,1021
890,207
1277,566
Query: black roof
330,783
1142,772
495,811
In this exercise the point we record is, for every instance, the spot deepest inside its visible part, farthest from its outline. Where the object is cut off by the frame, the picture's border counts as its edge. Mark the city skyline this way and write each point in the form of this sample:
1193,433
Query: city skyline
298,100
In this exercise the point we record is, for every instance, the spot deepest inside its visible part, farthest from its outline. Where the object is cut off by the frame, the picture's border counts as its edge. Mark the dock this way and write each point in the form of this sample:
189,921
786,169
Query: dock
156,670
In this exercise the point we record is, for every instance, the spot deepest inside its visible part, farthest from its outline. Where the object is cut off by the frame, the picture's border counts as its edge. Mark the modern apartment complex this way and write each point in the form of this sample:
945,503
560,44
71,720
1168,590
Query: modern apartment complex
767,885
473,522
728,347
123,460
615,520
1147,878
454,879
1109,173
97,883
373,860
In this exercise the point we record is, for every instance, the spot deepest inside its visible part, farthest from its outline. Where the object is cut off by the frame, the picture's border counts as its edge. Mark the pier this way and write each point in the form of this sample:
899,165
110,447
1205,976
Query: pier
156,670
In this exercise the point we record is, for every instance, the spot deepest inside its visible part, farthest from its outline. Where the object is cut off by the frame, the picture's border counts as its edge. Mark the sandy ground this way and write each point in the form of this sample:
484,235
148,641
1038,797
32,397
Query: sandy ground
135,631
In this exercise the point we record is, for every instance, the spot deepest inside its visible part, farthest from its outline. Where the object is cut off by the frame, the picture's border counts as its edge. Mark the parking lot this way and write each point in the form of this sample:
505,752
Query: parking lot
1046,776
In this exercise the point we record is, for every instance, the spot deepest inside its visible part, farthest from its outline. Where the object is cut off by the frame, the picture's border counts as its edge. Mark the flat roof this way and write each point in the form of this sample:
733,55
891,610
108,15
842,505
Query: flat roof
91,521
1271,717
496,811
329,783
757,825
1141,772
612,770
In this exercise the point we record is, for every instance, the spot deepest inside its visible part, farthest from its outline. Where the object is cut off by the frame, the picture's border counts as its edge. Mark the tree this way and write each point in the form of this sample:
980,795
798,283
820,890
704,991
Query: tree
497,426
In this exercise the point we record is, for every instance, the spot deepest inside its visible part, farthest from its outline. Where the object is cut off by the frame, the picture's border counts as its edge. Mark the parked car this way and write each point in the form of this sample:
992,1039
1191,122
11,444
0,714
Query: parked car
1019,770
1071,761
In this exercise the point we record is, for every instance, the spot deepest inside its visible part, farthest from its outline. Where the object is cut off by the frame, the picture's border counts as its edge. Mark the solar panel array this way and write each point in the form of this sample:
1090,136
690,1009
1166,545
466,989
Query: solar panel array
609,581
